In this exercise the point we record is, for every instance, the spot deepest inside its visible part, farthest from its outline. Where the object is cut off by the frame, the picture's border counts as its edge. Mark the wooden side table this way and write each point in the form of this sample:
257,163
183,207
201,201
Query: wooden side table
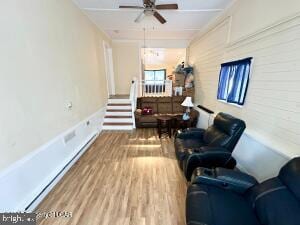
179,123
164,125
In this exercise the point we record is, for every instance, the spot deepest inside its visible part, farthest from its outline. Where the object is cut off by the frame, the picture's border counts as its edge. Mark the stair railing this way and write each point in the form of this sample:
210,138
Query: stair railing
156,88
133,98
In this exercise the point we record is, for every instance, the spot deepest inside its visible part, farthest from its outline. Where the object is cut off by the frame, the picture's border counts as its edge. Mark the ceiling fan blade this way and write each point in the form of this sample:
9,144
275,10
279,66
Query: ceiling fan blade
167,6
140,17
149,2
130,7
159,17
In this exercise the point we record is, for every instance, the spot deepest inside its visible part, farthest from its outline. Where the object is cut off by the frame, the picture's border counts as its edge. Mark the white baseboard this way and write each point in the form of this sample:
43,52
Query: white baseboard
25,183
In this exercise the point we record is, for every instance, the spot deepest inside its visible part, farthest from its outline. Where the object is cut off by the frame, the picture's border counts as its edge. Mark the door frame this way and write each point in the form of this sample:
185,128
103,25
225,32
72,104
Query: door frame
109,69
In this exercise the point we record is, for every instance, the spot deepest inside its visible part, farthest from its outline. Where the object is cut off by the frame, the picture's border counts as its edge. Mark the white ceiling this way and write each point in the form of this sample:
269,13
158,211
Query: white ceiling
182,24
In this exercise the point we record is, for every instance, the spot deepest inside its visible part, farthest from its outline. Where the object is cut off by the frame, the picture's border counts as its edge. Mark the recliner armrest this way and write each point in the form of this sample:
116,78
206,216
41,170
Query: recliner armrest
190,133
209,157
137,115
224,178
213,150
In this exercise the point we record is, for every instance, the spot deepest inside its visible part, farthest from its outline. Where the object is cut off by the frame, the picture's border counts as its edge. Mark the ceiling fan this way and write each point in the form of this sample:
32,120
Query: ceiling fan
150,8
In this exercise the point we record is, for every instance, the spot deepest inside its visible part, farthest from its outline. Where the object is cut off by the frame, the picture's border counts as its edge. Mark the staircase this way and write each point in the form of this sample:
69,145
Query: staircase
118,115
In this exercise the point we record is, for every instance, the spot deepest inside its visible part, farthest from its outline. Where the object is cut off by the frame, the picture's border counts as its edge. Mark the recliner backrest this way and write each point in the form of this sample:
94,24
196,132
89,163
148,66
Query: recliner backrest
225,131
276,201
162,104
290,176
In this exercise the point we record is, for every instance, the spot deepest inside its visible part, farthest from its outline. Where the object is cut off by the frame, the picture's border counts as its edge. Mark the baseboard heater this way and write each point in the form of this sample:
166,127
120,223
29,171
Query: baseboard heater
61,171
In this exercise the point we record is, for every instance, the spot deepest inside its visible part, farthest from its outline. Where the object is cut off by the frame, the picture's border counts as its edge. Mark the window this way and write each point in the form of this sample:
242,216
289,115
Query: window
233,81
155,76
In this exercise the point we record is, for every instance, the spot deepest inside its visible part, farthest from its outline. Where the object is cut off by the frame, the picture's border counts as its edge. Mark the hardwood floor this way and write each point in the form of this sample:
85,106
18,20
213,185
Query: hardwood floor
123,179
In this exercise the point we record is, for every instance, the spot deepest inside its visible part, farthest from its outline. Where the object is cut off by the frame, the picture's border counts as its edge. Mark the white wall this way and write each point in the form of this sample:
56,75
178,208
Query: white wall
268,31
127,64
128,60
250,16
51,54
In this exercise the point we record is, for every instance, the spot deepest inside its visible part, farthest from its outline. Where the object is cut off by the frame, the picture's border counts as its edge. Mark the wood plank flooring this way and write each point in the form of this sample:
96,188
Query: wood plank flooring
125,178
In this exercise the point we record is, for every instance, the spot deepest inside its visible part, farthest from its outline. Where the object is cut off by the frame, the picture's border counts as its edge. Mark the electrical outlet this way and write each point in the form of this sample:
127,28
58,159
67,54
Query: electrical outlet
69,105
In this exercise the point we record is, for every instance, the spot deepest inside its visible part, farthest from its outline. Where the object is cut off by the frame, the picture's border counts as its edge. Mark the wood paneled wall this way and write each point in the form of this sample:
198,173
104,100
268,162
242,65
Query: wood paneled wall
272,104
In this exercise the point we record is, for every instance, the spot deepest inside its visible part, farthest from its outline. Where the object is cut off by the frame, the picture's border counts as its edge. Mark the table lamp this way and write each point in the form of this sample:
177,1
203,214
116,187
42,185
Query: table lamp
187,103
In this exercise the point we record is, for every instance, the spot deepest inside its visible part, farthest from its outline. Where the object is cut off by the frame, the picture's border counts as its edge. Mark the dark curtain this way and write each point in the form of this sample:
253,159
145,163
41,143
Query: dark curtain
223,83
233,81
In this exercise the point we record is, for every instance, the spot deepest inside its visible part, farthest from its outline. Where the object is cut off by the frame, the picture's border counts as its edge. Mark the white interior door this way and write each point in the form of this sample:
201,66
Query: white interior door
109,68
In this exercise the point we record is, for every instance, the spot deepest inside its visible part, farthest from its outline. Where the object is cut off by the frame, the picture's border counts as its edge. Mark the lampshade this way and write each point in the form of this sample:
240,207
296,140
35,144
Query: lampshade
188,102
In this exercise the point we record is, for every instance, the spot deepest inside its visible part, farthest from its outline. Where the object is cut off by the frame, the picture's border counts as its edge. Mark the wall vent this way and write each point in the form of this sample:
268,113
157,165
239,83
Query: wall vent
69,136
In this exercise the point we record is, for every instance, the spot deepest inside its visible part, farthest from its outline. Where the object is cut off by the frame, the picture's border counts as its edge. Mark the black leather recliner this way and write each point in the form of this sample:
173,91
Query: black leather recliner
209,148
228,197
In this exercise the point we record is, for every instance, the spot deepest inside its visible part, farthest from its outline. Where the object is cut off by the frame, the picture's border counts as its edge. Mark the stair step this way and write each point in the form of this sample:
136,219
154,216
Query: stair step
119,97
118,104
118,110
129,128
117,107
117,124
118,117
119,101
117,113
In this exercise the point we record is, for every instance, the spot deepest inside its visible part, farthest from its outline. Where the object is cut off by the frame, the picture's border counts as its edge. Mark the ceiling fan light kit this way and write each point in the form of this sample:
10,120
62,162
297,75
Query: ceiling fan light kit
151,9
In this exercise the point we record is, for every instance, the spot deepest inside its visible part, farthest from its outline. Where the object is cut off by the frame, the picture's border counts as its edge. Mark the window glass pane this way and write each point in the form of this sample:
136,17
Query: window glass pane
160,75
239,84
231,79
224,83
149,75
155,76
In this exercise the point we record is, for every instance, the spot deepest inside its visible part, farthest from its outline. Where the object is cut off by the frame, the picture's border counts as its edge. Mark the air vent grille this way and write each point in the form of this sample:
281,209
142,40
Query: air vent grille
69,136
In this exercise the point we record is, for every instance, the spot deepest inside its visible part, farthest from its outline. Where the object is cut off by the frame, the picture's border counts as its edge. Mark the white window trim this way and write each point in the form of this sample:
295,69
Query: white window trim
229,103
234,104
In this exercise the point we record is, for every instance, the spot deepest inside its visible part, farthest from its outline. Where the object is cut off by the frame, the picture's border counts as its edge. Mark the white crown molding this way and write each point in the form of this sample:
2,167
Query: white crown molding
134,10
157,43
198,37
90,19
152,30
125,41
219,20
276,27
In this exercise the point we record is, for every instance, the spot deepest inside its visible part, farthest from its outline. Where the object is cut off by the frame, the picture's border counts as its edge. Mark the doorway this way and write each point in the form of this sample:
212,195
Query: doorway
109,69
159,70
